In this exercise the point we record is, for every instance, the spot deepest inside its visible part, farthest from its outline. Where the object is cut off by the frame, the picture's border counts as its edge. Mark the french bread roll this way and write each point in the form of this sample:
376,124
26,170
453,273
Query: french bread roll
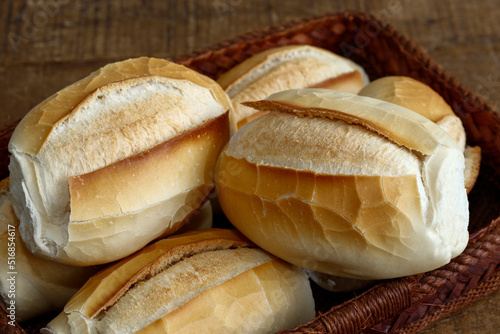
346,185
287,67
30,286
419,97
116,160
211,281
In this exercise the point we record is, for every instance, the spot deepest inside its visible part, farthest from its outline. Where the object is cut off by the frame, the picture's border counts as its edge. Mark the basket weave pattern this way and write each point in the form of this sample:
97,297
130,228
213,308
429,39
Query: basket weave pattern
407,304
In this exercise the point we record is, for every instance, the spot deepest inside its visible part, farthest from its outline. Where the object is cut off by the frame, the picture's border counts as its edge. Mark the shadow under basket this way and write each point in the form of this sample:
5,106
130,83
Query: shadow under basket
407,304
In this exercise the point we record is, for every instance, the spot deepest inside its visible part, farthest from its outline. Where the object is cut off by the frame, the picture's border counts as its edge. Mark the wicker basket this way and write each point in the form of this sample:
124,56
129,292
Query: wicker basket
407,304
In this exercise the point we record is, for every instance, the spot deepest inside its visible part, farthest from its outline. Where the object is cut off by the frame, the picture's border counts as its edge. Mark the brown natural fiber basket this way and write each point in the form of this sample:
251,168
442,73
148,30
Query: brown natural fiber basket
408,304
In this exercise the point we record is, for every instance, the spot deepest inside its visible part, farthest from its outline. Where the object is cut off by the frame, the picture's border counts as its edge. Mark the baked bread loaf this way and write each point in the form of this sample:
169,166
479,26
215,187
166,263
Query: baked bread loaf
211,281
35,286
417,96
287,67
346,185
116,160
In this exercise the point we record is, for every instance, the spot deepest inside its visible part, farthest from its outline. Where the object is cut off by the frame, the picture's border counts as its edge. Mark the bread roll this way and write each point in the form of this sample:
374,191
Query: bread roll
411,94
116,160
287,67
35,286
417,96
211,281
346,185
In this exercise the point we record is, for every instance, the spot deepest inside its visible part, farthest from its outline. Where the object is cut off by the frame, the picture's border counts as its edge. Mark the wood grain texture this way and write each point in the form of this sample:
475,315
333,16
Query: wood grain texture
48,44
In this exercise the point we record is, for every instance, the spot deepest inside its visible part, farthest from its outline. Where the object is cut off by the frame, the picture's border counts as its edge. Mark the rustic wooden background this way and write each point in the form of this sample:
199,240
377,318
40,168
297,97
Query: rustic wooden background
48,44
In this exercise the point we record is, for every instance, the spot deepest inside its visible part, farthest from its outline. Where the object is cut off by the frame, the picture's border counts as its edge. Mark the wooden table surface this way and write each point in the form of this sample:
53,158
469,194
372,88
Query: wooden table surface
48,44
